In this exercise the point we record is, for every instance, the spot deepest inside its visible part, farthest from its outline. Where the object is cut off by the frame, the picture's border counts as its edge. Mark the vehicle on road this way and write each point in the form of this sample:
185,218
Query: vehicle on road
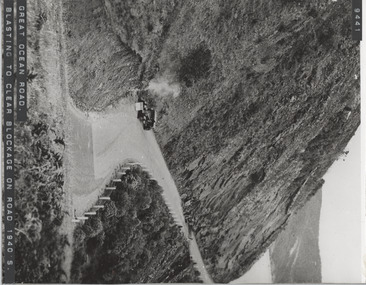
146,115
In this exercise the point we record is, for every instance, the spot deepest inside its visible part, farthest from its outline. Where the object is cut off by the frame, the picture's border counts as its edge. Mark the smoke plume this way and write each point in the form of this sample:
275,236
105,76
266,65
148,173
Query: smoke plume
162,86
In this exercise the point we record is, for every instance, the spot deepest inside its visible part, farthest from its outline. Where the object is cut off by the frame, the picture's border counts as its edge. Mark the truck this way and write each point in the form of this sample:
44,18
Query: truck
146,115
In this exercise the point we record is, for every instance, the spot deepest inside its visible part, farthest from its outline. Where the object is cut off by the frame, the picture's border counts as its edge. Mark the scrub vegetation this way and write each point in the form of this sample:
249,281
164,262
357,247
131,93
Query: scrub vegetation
124,242
40,200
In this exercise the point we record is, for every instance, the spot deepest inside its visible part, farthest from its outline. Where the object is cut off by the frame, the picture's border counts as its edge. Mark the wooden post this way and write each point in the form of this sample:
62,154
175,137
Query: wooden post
104,198
82,218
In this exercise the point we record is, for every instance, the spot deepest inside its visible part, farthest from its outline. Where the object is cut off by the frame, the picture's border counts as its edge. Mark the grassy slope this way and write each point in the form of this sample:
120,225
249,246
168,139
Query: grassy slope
101,68
132,240
260,121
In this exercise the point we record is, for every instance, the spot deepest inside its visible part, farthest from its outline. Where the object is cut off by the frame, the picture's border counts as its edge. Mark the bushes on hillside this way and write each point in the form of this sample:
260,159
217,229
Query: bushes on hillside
133,239
38,201
195,65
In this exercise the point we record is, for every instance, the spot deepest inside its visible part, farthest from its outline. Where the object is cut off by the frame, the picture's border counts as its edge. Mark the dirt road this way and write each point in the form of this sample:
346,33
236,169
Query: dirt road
99,142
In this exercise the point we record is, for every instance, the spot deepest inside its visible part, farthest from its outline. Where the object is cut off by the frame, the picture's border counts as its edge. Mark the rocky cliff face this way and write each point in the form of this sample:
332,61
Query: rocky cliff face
269,98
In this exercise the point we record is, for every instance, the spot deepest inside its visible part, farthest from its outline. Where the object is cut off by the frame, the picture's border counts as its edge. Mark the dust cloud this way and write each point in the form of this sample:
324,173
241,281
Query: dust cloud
164,87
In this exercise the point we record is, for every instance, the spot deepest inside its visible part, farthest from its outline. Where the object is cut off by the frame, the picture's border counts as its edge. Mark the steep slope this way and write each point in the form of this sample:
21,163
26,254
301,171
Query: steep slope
101,68
295,256
269,97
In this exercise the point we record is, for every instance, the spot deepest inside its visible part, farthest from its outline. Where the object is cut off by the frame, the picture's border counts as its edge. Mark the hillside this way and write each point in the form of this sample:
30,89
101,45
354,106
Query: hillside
268,99
41,204
123,242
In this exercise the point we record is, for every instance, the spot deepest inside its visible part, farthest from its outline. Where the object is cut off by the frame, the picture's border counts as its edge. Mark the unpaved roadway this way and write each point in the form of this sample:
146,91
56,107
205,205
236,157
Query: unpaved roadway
99,142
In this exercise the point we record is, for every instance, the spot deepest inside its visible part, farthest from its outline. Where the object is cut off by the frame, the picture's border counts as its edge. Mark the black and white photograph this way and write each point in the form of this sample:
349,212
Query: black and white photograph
195,141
